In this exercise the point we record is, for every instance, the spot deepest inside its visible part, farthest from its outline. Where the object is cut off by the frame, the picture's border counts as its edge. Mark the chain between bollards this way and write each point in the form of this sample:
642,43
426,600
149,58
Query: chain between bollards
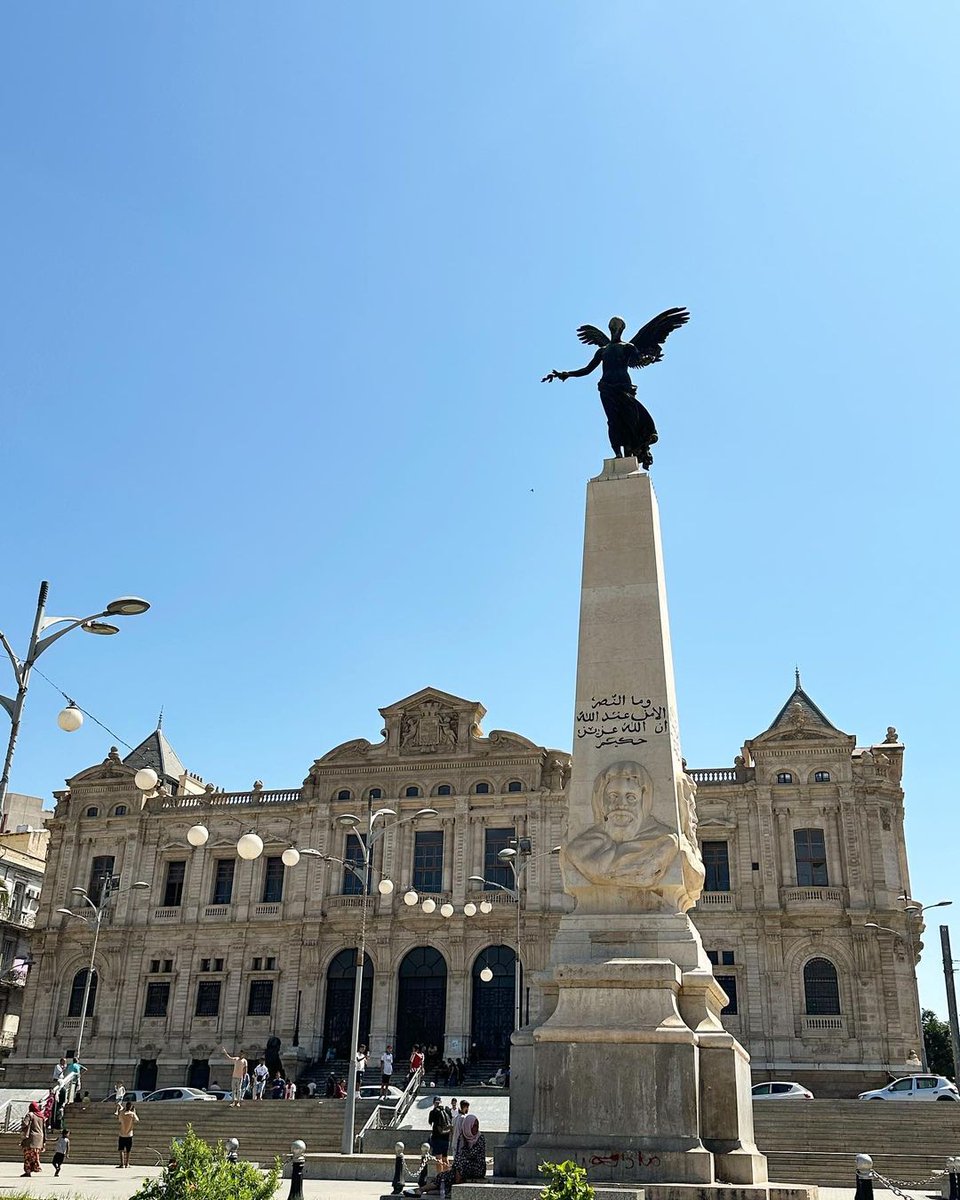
297,1149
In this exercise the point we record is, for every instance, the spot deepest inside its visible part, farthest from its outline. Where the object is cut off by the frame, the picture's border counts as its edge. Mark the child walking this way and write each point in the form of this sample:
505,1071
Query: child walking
61,1150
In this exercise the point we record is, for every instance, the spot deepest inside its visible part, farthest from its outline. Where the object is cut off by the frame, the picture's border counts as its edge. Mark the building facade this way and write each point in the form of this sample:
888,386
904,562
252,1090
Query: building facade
802,840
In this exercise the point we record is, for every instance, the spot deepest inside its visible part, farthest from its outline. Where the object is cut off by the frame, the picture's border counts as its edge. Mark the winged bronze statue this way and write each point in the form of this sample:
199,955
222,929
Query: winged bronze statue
631,428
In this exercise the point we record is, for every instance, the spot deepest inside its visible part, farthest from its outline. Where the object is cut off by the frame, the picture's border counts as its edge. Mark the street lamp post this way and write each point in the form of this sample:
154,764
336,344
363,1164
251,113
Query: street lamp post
912,909
385,887
510,856
70,718
106,891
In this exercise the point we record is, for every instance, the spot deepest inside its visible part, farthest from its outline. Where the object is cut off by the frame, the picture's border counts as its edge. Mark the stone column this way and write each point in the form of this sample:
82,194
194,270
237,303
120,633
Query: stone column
631,1063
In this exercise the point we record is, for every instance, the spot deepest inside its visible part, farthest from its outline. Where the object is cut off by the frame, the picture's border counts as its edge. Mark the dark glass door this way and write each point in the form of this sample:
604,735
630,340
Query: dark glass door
421,1000
145,1078
338,1010
493,1003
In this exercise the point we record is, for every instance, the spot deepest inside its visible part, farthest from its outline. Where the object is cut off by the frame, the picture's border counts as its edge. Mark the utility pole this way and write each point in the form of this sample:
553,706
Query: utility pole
951,999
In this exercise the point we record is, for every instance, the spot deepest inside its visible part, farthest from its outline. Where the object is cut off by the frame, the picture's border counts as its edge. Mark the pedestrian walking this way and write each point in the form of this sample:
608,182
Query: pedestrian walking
386,1070
440,1120
260,1077
61,1150
119,1091
237,1076
360,1065
459,1112
32,1138
127,1118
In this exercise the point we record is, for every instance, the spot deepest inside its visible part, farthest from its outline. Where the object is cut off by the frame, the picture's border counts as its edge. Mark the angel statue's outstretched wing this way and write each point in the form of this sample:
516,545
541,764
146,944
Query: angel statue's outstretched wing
649,340
590,335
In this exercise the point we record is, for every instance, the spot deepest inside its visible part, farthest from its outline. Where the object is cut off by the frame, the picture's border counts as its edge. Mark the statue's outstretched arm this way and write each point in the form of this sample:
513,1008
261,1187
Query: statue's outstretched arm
563,375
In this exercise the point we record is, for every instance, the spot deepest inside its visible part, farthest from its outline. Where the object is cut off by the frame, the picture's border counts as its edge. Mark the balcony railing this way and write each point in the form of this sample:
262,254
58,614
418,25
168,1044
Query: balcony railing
232,799
494,896
167,914
715,900
830,897
713,775
266,910
217,912
826,1026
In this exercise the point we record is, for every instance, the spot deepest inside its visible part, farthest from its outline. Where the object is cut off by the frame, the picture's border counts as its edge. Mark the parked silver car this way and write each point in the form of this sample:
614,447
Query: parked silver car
179,1093
915,1087
780,1091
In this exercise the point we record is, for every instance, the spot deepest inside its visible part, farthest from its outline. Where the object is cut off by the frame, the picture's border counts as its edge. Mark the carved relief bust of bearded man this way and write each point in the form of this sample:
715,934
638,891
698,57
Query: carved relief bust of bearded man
626,845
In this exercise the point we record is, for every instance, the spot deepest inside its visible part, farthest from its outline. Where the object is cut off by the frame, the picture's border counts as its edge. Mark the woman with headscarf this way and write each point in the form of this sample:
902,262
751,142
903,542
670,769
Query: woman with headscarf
470,1161
32,1138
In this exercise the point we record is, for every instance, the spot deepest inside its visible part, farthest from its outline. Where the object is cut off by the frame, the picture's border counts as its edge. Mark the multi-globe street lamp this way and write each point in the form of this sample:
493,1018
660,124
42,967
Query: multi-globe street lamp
913,911
107,890
71,718
517,858
250,846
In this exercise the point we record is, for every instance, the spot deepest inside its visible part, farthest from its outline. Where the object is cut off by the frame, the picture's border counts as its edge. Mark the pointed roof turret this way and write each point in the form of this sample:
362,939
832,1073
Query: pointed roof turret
799,710
156,752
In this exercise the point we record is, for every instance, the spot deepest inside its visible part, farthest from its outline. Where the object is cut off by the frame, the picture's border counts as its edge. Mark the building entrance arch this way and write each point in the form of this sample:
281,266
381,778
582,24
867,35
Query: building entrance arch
493,1004
338,1009
421,1000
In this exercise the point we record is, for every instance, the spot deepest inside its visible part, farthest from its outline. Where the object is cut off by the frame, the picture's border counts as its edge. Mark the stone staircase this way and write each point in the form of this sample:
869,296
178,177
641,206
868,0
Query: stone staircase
264,1129
815,1141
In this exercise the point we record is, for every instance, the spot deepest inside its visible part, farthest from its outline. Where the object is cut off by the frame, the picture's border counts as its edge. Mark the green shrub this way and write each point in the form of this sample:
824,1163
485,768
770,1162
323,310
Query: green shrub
567,1182
201,1172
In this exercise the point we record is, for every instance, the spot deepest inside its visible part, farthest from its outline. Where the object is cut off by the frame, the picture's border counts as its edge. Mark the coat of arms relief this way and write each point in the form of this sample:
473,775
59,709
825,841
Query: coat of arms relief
428,729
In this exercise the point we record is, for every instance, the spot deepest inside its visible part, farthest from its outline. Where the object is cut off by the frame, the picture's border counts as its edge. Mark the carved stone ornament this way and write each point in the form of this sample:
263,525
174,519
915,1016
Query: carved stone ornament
626,846
429,729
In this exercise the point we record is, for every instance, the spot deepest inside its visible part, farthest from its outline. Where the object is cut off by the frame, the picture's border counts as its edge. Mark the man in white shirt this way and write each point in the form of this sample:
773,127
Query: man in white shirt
386,1070
260,1077
361,1065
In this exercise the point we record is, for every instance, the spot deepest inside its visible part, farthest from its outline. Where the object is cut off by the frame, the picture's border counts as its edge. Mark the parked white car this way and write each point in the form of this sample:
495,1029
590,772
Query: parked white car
180,1093
780,1091
915,1087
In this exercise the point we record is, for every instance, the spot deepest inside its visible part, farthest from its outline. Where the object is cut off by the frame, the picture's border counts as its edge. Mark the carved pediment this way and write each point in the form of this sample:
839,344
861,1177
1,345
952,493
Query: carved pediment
432,722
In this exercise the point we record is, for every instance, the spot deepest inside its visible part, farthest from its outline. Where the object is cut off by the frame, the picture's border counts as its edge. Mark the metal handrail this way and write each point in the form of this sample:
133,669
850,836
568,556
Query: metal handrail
394,1112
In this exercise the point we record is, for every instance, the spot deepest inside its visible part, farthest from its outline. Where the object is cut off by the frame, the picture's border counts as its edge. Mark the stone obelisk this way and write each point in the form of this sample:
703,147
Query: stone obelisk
629,1071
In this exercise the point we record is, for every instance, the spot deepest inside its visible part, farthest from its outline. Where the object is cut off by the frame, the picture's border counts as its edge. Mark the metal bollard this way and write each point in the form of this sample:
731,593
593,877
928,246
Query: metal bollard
232,1148
297,1149
864,1177
396,1188
953,1171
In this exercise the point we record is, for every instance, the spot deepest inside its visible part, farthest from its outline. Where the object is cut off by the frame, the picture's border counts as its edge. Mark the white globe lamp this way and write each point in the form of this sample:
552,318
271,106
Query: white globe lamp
146,779
250,846
486,975
290,857
197,835
446,910
486,906
70,719
429,905
411,898
469,909
385,887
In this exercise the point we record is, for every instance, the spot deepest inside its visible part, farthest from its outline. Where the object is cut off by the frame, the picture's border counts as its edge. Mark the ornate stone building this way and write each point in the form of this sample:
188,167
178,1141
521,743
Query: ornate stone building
802,840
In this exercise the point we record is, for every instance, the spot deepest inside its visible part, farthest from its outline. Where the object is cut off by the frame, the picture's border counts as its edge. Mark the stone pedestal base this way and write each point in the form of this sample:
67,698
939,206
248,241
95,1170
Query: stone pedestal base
633,1077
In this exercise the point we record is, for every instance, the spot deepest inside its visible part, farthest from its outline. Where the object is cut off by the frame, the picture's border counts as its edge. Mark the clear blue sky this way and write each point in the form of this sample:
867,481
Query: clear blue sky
280,283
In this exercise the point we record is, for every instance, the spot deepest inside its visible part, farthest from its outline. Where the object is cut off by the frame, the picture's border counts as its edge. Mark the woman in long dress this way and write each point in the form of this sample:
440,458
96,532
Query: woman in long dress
469,1162
32,1138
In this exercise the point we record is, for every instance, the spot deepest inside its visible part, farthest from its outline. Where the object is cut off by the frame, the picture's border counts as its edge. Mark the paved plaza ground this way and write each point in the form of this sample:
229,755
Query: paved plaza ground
109,1183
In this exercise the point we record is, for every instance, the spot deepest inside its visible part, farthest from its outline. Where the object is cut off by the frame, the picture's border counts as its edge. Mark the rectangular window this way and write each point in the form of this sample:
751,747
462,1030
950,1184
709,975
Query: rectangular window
353,855
168,964
257,964
261,998
223,881
270,964
204,964
811,855
218,964
173,886
158,997
716,863
273,880
100,869
729,985
495,840
155,965
428,861
208,998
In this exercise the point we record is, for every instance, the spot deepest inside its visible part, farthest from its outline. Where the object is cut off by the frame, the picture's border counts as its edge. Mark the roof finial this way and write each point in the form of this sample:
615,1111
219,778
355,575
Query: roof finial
796,673
160,718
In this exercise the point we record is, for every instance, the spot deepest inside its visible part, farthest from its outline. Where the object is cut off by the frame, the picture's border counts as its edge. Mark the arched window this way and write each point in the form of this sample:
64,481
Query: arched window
514,786
120,810
92,812
76,994
784,777
821,988
412,790
338,1010
821,777
376,793
343,794
482,789
421,1000
444,790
